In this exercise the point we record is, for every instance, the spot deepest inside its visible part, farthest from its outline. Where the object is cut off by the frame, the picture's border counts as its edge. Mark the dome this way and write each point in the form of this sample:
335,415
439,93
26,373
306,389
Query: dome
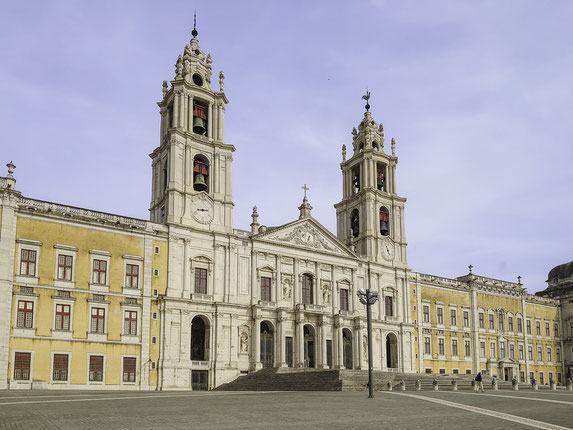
562,271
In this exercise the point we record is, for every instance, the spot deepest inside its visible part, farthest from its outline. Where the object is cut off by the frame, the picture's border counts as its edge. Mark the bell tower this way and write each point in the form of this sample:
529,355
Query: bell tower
192,165
370,217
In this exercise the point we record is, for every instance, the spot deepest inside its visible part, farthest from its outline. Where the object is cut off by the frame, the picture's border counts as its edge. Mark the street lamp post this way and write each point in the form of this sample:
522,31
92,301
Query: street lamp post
368,298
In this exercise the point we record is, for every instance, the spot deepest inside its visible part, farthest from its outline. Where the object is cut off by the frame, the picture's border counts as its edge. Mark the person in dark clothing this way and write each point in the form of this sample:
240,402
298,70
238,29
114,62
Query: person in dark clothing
479,383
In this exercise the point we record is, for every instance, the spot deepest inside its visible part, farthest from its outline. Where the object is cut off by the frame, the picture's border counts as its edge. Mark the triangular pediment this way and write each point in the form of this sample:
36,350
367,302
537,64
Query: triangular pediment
306,233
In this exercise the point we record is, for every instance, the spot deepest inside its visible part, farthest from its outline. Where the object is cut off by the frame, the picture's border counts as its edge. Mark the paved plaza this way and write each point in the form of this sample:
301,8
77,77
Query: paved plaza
286,410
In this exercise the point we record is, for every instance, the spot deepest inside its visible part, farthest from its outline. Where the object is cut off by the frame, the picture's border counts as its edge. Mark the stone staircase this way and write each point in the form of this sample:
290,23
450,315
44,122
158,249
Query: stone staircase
289,379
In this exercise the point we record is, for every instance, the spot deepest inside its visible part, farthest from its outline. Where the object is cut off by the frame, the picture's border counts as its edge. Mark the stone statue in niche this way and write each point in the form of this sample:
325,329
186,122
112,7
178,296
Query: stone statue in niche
325,293
244,342
287,288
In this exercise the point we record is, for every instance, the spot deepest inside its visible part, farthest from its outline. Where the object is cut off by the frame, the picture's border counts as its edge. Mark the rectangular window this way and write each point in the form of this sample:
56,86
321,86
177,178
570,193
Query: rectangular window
558,355
440,315
521,376
60,367
289,351
343,299
492,350
541,378
427,346
65,267
96,368
549,354
25,316
389,306
528,324
441,347
200,281
556,329
22,362
454,347
97,320
539,354
530,353
307,296
130,323
491,322
538,328
266,289
467,348
466,315
510,323
547,330
28,262
512,351
531,376
501,349
129,366
481,320
559,378
520,351
131,276
426,313
519,325
453,317
482,349
501,322
62,317
99,272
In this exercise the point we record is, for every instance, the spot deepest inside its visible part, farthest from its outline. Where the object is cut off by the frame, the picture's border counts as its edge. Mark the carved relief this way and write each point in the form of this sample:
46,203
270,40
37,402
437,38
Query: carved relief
326,289
287,287
307,236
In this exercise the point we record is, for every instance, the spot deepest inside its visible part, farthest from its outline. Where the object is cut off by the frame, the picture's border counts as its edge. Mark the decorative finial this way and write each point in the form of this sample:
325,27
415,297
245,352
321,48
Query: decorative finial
221,81
11,168
255,223
194,32
164,88
470,267
305,188
179,68
393,145
519,280
366,97
343,152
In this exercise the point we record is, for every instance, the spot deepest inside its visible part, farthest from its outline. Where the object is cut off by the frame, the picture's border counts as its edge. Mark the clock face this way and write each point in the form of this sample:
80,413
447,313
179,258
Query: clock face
388,250
203,210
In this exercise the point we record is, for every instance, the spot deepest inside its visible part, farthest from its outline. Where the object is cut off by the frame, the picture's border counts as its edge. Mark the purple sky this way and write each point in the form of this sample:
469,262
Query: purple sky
477,94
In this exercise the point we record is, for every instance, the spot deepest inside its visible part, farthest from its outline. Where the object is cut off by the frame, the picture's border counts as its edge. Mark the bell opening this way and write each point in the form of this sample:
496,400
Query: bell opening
199,118
384,224
200,175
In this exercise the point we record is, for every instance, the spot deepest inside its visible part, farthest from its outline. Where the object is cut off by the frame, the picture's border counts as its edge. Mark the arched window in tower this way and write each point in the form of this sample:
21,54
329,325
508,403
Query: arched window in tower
200,174
199,118
356,180
307,293
361,147
375,147
170,118
380,177
384,223
355,223
165,176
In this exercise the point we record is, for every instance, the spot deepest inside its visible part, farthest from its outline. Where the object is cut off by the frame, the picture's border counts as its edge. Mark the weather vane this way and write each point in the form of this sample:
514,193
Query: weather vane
194,32
366,97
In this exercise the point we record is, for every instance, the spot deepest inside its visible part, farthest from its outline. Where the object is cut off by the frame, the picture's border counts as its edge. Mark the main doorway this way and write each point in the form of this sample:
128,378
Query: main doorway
308,332
347,348
267,345
391,351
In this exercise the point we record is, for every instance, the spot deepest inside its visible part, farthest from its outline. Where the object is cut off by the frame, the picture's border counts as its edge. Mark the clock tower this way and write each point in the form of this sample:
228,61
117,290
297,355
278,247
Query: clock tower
192,165
370,217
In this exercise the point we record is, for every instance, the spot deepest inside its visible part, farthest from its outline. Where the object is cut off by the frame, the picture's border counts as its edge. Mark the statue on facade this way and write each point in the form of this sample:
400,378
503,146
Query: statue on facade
287,288
325,293
244,342
179,68
221,81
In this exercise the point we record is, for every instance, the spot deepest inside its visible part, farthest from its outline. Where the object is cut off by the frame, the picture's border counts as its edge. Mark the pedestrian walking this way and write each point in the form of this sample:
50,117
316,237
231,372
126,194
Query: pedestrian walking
479,384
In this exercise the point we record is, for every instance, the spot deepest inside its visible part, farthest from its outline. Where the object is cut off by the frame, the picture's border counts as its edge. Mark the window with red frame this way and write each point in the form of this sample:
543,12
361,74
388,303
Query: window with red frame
307,293
130,323
22,366
28,262
62,317
201,281
25,315
99,272
98,320
389,302
343,299
131,275
129,365
60,371
65,267
266,289
96,368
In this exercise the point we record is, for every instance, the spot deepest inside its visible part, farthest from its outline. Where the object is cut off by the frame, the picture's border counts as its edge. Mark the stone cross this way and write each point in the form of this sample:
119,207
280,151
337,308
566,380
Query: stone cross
305,188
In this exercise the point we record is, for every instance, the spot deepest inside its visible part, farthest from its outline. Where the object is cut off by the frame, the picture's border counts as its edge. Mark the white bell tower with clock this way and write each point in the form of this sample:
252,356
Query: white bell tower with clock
370,217
192,166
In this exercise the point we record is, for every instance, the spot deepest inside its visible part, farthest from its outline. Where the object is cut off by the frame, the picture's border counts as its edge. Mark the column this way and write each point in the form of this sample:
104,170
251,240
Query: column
281,341
339,347
176,110
319,297
219,122
190,113
278,286
352,291
186,269
300,343
323,358
525,340
475,332
257,344
295,286
210,121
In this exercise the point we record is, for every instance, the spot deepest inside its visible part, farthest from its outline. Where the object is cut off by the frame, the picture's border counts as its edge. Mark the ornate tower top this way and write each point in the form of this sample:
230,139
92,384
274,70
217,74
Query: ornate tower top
370,135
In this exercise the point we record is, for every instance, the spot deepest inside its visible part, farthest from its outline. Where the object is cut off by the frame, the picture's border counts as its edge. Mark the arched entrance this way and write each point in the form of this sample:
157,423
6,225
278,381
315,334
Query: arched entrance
267,344
391,351
347,348
308,332
199,339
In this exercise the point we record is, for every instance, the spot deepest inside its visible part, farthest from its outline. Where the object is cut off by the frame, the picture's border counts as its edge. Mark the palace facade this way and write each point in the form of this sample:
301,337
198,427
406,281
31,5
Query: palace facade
187,301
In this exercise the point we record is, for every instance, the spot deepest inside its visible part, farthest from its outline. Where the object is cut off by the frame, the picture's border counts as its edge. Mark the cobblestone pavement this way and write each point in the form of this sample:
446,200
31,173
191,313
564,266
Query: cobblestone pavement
286,410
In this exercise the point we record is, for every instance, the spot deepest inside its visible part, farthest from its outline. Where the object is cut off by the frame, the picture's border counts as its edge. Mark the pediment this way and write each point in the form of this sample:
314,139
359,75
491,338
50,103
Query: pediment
306,233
